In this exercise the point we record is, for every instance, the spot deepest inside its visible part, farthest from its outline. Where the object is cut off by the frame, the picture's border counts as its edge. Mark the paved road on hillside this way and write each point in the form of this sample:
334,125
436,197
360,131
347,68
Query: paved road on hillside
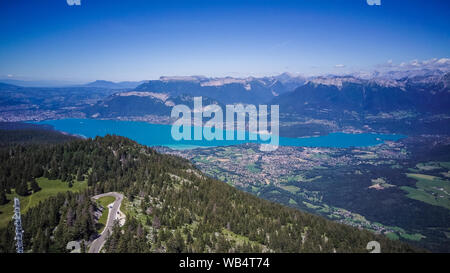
97,244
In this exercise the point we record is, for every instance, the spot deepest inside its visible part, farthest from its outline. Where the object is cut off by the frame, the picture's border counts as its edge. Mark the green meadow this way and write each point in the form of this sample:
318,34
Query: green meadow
429,189
48,188
104,202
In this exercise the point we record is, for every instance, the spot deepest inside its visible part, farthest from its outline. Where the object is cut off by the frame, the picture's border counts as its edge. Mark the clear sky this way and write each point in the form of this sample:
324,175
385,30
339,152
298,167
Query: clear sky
136,40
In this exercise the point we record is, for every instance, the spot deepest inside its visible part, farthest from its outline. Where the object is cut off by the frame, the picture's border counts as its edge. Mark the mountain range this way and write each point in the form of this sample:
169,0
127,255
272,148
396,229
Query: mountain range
337,94
114,85
345,100
387,101
226,90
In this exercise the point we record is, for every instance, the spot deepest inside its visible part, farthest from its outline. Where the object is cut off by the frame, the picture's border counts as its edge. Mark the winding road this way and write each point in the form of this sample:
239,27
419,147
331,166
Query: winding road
97,244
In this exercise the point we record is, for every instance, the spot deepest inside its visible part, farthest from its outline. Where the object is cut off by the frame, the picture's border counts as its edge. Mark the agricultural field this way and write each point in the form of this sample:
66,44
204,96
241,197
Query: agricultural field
429,189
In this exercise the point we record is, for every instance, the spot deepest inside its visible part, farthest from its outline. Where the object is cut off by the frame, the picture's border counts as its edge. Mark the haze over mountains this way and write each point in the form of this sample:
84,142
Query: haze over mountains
360,100
113,85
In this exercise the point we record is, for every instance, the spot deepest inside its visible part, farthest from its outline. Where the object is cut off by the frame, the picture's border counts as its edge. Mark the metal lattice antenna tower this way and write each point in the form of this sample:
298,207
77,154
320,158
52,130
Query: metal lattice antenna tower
18,224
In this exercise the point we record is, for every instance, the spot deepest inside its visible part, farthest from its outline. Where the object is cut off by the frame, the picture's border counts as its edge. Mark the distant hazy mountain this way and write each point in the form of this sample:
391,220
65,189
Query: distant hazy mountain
7,85
96,84
114,85
290,81
41,83
13,97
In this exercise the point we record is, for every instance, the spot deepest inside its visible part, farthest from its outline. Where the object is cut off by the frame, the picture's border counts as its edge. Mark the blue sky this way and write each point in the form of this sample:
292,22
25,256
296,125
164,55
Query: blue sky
137,40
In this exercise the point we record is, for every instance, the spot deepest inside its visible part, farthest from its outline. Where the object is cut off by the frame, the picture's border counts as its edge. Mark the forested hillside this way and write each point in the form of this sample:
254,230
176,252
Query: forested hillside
170,205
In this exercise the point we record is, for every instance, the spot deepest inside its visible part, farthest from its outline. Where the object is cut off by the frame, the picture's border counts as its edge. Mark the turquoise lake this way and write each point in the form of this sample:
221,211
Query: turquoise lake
160,135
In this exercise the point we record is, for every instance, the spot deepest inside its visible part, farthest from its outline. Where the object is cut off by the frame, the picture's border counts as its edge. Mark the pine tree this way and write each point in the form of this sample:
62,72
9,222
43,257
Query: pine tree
3,199
34,186
37,171
22,188
80,176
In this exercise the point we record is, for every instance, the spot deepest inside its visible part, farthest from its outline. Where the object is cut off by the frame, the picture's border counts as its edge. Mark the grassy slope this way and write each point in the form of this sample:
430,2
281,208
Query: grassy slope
48,188
104,202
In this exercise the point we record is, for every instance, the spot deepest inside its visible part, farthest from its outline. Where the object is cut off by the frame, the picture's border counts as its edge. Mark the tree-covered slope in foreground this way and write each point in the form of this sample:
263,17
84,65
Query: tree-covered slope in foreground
170,205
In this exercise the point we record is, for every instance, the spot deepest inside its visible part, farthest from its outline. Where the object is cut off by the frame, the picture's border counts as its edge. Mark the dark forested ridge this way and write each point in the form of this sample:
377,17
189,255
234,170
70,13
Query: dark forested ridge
31,135
171,206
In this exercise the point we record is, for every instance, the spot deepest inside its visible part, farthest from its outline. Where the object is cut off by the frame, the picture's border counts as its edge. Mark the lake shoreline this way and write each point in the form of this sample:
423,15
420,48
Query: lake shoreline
160,135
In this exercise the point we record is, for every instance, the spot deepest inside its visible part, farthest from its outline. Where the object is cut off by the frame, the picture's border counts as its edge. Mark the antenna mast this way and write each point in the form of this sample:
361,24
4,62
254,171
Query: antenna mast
18,224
